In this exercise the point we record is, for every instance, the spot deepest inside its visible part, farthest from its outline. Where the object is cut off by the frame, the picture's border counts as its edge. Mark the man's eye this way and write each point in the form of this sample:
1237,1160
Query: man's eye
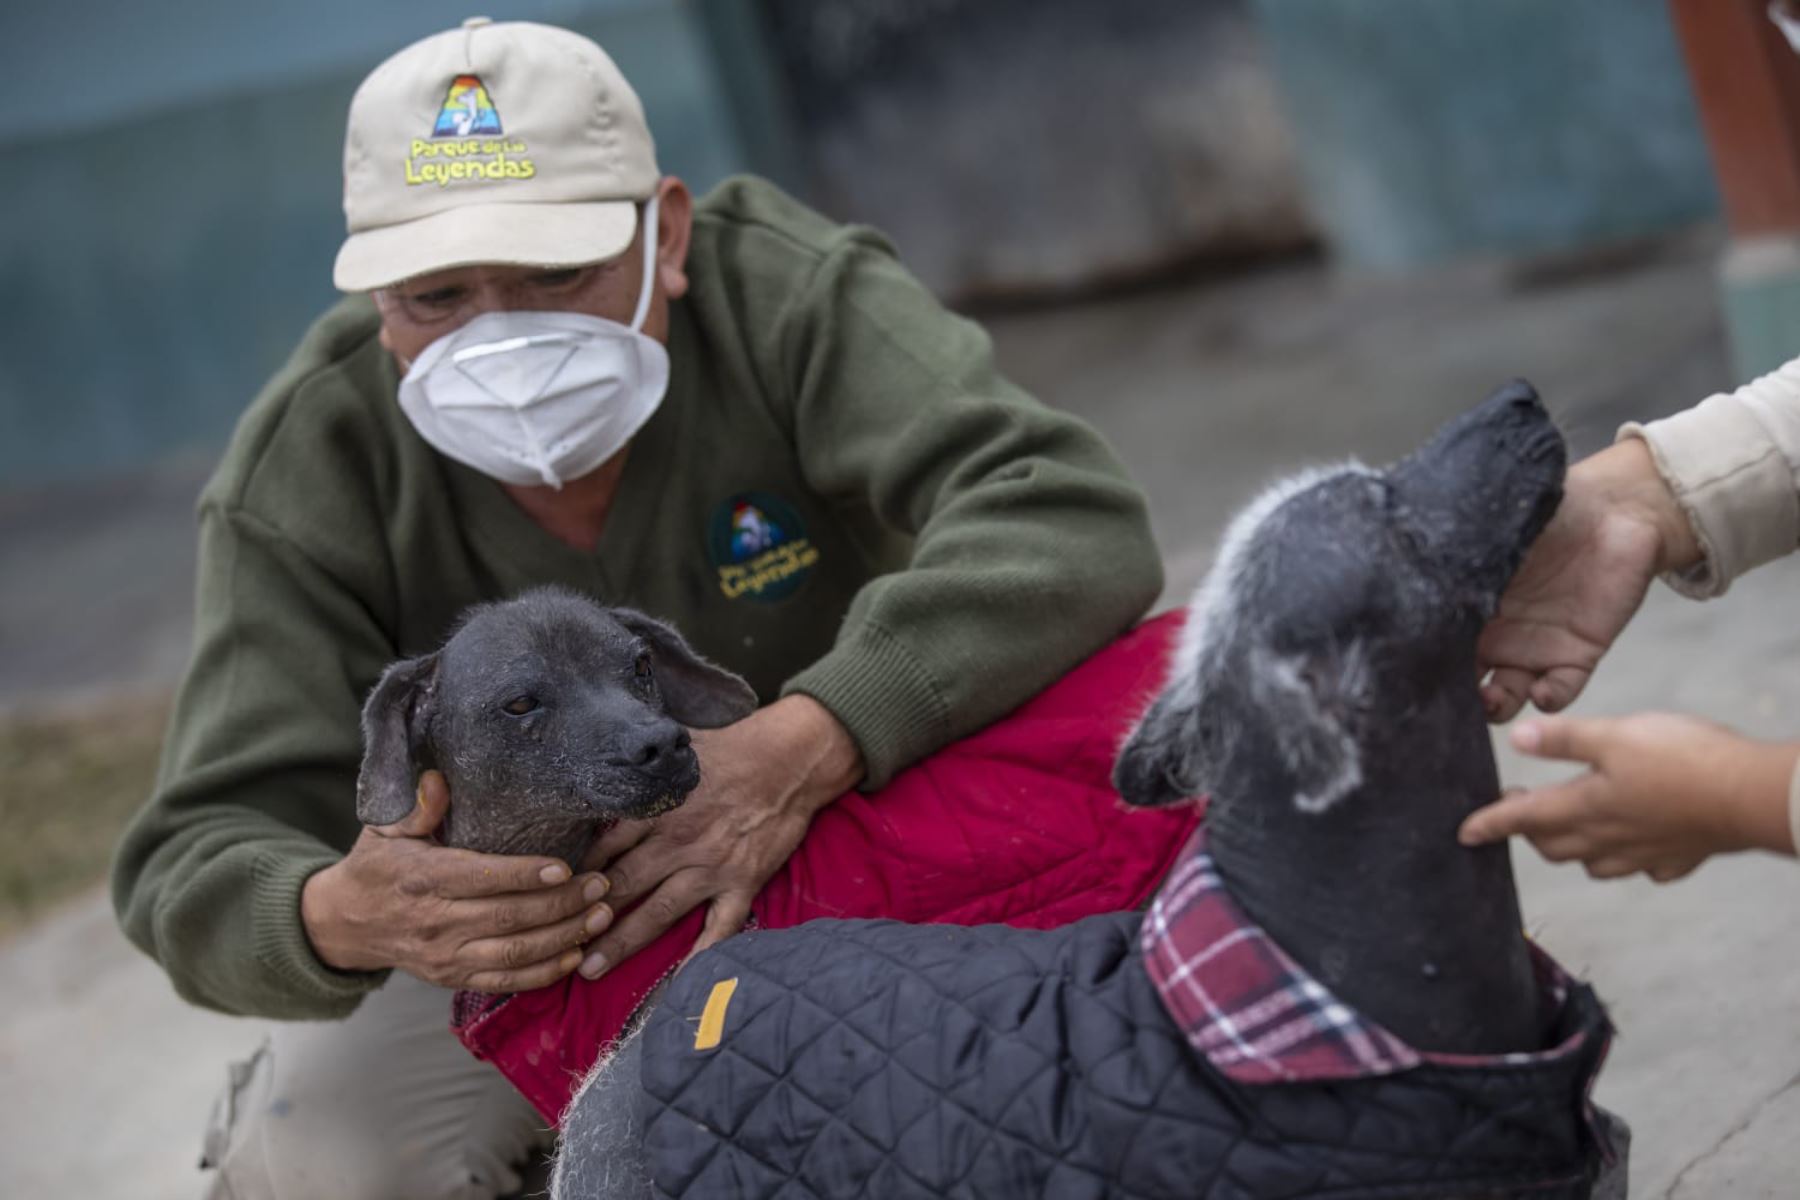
518,706
444,297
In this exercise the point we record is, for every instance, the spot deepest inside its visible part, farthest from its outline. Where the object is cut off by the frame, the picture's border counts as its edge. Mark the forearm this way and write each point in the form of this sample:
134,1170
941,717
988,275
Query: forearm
217,905
935,652
1774,820
824,752
1732,466
1757,797
257,786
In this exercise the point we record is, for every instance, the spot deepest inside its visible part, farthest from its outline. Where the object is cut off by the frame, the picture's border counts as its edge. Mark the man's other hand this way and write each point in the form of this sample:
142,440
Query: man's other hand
455,918
761,782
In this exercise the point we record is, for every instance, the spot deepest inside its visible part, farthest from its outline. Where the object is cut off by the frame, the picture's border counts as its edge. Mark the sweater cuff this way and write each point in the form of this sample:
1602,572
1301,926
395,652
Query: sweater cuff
880,692
279,941
1734,485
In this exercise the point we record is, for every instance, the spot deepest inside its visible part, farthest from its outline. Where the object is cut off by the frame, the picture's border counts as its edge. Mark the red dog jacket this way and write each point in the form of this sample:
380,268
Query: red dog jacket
1016,825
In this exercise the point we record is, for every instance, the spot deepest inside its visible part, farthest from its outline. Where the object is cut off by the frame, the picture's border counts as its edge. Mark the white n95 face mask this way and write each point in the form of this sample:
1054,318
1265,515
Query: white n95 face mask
539,397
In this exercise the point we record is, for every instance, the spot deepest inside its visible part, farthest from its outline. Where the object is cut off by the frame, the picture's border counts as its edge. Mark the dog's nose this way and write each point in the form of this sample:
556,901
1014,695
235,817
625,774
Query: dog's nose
1519,395
652,747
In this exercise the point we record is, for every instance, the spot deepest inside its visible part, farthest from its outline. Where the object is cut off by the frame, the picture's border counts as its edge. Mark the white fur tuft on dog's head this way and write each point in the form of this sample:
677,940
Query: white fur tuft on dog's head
1174,747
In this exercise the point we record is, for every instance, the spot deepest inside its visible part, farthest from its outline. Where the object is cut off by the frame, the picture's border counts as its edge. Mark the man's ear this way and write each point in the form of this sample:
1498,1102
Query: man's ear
395,721
694,691
675,227
1310,703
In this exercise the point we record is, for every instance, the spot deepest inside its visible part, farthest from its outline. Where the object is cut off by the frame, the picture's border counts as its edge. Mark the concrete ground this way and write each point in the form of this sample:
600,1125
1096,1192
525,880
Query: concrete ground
1206,390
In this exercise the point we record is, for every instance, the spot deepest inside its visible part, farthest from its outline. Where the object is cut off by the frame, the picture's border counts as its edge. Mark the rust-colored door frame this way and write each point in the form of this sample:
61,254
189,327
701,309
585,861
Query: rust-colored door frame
1747,84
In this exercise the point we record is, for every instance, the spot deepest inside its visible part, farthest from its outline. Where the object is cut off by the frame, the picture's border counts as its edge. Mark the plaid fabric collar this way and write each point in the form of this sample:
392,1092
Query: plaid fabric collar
1255,1013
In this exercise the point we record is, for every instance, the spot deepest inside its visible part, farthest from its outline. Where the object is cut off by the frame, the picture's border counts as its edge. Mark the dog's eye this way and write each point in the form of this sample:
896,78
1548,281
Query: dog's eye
518,706
644,673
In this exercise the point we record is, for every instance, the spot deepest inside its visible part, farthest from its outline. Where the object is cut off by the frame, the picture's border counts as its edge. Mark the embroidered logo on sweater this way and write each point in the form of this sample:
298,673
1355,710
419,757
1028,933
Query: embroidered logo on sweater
466,141
759,547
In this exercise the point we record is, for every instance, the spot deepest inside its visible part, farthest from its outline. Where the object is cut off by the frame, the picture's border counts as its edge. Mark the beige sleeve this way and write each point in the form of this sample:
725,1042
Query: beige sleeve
1733,462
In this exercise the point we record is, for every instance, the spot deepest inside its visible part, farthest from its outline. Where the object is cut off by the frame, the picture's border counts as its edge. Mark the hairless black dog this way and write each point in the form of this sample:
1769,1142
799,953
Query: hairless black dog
549,716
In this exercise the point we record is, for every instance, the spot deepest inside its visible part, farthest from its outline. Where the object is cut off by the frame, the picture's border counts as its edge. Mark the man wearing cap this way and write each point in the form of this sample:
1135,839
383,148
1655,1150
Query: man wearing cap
559,368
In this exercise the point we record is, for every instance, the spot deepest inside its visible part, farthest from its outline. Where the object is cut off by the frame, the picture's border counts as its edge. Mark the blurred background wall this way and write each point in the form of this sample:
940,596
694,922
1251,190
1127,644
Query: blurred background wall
173,198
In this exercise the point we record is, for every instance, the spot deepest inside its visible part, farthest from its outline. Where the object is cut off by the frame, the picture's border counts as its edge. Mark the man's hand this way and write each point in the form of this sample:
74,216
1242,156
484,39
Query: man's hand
761,782
487,922
1617,528
1665,792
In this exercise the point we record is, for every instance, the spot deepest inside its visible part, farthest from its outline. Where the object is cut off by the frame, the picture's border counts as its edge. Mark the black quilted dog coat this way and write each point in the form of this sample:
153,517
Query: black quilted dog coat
867,1058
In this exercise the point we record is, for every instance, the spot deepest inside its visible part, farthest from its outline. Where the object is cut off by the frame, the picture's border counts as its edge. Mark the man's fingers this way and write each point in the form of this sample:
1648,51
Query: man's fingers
1566,738
675,899
725,916
465,874
616,841
537,975
515,912
642,869
429,807
519,951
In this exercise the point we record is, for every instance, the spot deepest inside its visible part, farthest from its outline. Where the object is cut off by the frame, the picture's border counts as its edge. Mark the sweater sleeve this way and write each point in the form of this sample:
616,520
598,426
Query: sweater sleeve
1733,463
257,786
1032,547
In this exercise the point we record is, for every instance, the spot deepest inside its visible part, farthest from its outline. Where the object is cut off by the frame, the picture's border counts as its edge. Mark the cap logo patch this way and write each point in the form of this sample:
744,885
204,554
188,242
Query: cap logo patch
466,142
467,111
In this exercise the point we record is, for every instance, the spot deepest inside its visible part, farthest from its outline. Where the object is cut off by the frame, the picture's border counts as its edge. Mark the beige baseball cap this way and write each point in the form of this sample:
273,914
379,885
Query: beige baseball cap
507,143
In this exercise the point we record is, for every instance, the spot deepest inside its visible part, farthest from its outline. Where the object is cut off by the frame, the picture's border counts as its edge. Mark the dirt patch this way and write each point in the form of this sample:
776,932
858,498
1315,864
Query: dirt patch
69,781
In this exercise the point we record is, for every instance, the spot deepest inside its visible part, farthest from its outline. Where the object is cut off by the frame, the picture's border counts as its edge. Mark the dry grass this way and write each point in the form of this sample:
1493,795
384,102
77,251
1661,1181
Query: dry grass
68,783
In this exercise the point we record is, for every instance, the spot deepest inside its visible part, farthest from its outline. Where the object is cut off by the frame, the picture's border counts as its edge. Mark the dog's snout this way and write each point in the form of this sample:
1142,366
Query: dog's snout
653,748
1518,399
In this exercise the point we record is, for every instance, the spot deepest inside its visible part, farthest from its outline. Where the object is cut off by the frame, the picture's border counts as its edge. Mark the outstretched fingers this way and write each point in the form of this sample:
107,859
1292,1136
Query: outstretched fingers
1567,739
1546,815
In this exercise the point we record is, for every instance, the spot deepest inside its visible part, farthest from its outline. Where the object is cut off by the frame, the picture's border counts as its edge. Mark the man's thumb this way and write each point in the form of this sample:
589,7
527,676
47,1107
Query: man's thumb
429,807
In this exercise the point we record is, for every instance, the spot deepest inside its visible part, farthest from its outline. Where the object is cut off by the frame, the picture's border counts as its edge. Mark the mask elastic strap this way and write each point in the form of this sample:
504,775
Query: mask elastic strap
643,304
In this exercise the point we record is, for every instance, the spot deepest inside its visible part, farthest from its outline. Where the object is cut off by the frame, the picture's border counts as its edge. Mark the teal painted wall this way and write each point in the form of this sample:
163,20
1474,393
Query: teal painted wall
173,202
1430,129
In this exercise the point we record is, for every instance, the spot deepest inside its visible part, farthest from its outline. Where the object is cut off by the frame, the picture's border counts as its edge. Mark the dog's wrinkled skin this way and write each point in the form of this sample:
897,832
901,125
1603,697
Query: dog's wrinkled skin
549,716
1325,696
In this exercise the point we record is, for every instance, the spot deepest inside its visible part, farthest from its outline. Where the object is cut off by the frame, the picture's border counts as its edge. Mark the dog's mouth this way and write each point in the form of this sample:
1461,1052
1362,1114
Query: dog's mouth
636,795
653,806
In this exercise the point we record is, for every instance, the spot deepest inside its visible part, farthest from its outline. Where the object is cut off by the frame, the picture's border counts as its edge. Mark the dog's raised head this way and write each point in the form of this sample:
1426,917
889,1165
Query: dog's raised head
1342,603
543,710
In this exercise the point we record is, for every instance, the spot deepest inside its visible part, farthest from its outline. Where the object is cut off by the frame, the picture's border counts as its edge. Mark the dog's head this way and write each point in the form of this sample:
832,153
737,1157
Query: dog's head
1339,600
544,708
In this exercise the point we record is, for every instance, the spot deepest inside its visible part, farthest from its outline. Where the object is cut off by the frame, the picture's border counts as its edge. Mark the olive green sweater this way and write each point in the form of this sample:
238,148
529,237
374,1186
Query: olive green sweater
839,496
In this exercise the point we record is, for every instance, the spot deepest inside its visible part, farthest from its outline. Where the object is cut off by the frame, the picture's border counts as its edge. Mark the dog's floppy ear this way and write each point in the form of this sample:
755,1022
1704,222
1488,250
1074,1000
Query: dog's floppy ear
395,719
1163,760
1309,702
694,691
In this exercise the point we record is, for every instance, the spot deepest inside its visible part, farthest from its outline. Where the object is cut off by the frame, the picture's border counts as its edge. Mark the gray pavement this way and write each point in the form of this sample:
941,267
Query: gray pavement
1207,391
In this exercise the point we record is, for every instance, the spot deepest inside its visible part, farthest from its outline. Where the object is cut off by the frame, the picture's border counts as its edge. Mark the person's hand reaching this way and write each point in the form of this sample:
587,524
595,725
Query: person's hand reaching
1617,528
1663,793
